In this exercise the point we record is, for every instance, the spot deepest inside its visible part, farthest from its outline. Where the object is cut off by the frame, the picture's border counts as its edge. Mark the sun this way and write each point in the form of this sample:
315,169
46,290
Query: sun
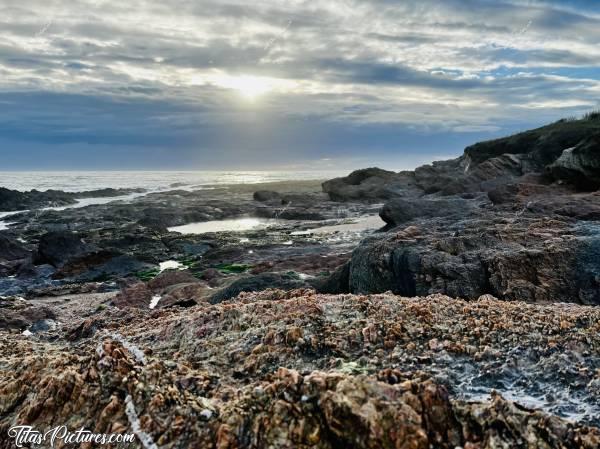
252,86
248,86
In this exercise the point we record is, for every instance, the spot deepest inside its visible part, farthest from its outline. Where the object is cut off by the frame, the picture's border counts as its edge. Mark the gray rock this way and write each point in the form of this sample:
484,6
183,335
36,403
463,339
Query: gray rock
579,165
257,283
266,196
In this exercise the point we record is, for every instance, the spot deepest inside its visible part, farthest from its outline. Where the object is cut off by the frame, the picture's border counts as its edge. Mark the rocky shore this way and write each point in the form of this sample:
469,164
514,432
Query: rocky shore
450,306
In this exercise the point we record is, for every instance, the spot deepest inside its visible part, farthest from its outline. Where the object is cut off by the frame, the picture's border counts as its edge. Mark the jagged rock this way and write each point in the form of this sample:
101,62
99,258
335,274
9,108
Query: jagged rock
579,165
521,257
280,370
542,145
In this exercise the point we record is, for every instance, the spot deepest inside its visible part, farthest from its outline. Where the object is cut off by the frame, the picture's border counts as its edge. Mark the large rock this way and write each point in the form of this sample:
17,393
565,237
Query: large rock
400,210
369,184
56,248
314,371
579,165
523,257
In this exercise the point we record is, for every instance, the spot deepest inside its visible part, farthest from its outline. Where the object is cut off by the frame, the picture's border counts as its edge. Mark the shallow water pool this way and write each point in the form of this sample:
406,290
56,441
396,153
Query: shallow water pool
234,224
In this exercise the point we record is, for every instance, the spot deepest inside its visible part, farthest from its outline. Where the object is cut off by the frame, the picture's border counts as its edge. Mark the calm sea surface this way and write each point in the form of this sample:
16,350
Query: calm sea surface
77,181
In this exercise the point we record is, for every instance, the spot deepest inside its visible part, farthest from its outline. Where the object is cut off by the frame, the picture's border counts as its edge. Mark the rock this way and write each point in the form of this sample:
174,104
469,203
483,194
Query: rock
579,165
137,295
56,248
369,184
10,250
14,200
400,210
18,314
172,277
524,257
265,196
542,145
280,370
337,282
102,265
257,283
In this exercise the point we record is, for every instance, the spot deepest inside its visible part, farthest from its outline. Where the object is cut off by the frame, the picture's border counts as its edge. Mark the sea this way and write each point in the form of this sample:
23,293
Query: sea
78,181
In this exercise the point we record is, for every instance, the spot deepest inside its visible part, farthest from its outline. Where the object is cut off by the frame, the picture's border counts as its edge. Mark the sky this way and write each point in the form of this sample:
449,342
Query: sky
312,84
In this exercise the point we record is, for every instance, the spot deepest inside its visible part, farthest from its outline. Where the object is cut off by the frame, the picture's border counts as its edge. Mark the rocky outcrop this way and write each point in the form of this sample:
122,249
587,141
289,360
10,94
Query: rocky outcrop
369,184
579,165
521,257
531,235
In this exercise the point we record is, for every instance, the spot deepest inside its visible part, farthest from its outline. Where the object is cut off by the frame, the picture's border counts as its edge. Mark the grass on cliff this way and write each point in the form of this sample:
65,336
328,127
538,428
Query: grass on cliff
547,142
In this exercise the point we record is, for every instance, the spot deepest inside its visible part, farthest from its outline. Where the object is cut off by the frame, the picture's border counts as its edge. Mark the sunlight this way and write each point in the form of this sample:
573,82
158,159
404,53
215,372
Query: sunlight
250,87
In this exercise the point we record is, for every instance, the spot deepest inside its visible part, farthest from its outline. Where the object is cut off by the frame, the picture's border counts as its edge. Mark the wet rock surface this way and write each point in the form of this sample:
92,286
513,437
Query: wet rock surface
14,200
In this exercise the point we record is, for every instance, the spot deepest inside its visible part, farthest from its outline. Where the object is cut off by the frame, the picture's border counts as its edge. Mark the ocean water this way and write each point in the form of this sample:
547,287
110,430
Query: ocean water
77,181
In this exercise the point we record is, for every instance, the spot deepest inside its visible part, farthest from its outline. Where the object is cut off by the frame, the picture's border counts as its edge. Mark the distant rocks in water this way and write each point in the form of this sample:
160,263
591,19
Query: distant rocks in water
266,196
14,200
299,206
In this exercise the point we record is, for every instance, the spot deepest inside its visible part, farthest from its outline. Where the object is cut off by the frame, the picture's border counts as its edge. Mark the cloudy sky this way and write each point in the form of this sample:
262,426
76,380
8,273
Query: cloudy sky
263,84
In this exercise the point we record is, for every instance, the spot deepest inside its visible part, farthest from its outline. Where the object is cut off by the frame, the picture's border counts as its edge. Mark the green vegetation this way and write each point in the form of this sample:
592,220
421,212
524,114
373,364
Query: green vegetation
147,275
233,268
543,144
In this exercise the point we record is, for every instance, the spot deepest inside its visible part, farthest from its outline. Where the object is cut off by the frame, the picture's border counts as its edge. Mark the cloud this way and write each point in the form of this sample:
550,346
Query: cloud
343,75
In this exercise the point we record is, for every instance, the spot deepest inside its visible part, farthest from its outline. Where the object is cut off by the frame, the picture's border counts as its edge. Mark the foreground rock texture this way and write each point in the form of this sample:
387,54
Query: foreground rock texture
299,370
516,218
